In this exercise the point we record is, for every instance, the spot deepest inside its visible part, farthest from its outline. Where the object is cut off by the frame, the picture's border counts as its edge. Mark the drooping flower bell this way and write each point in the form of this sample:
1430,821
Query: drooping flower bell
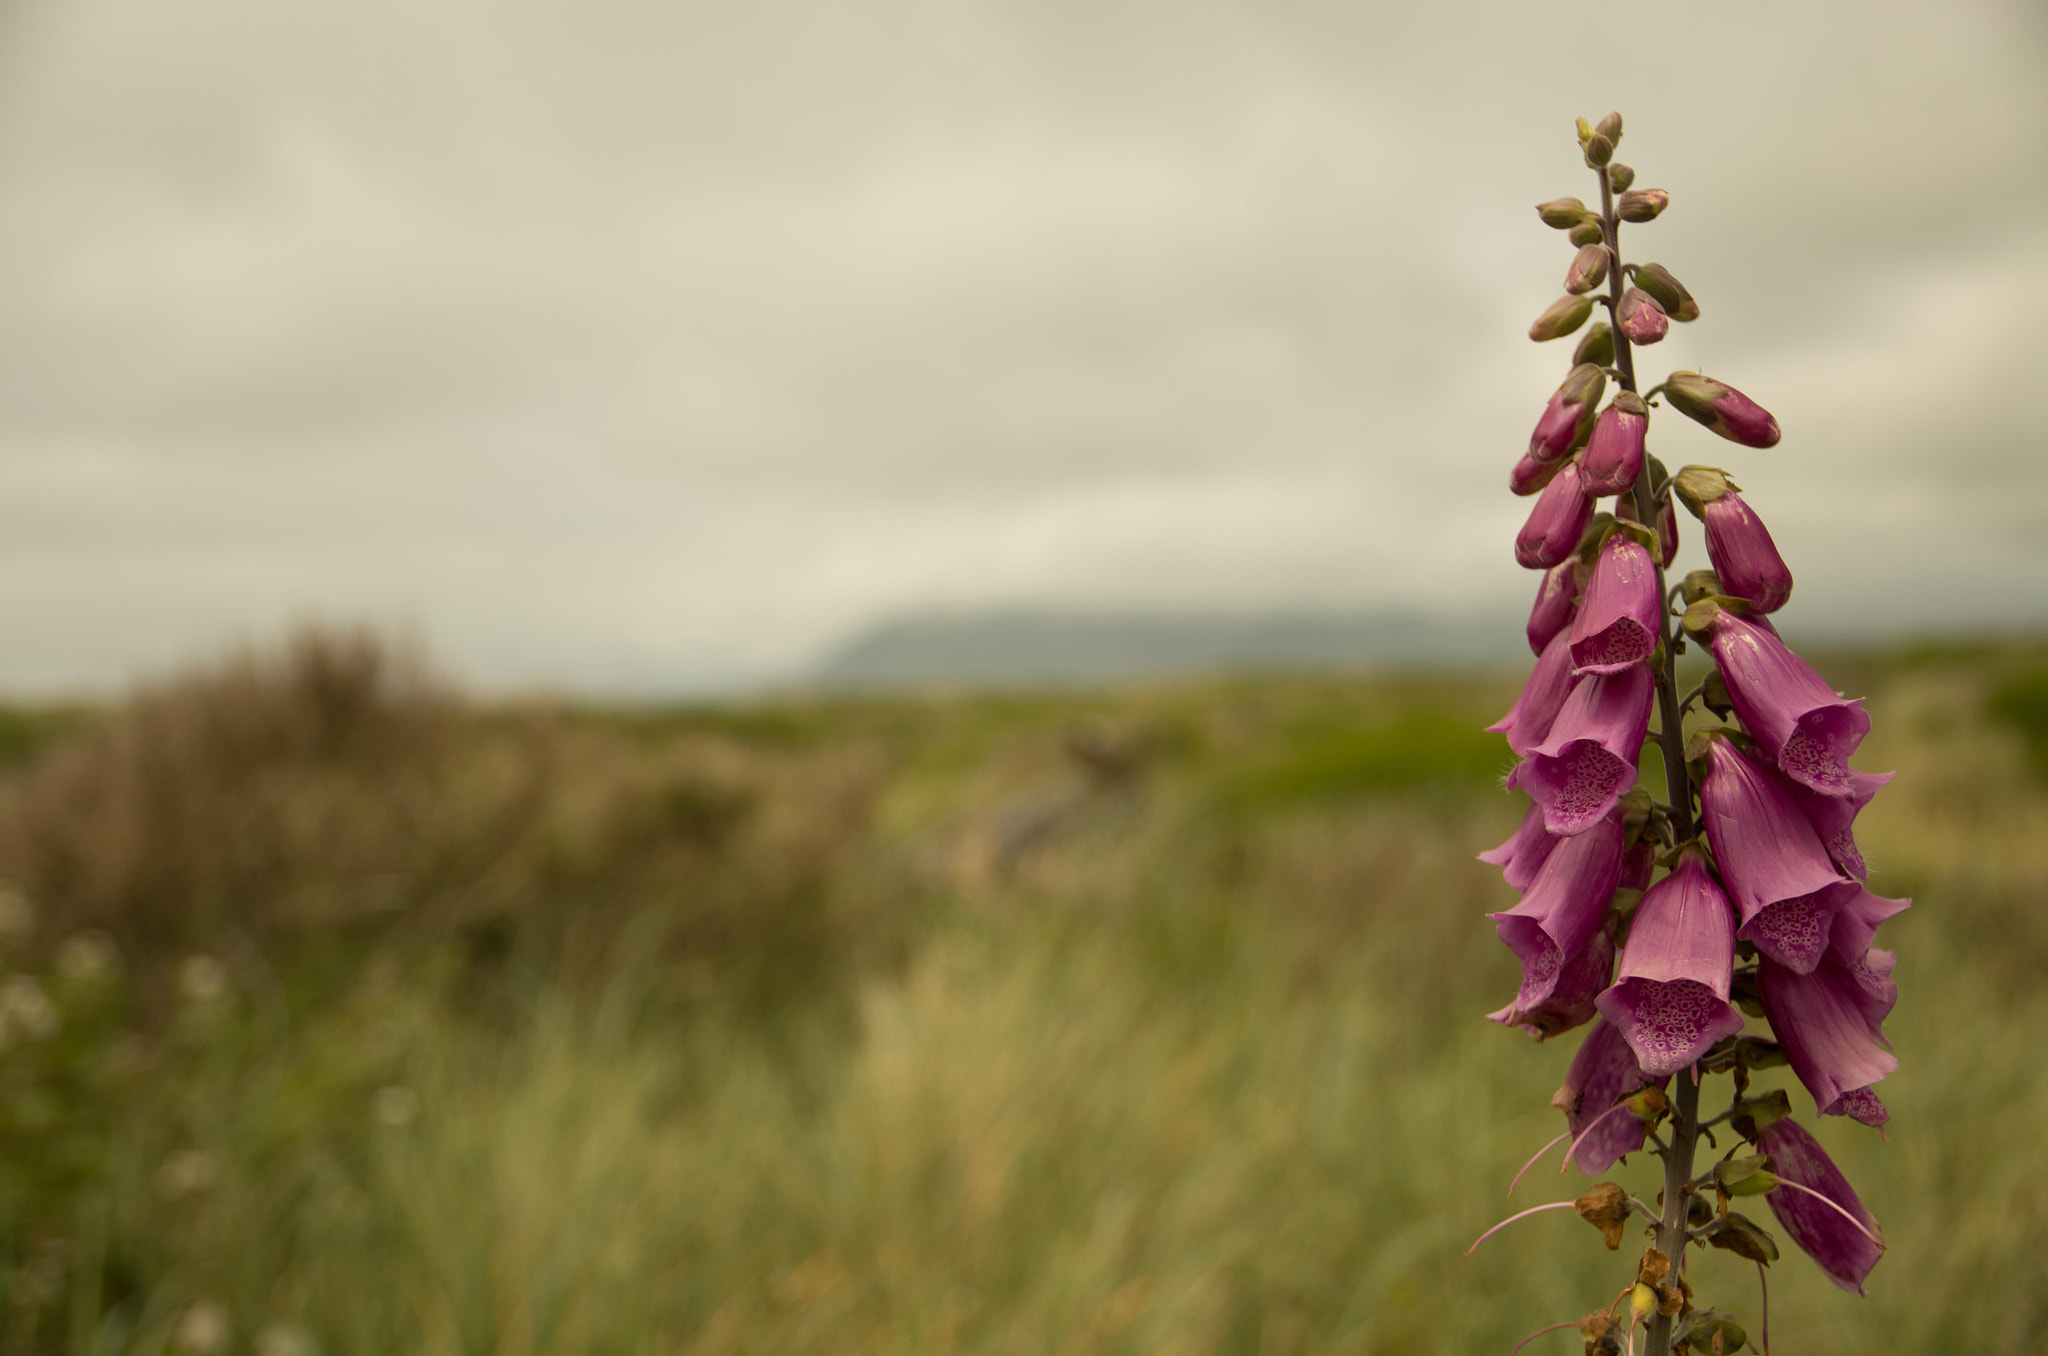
1619,622
1602,1073
1808,729
1557,599
1556,523
1563,907
1834,817
1830,1025
1554,1001
1845,1252
1670,996
1785,887
1745,558
1527,723
1571,408
1614,452
1722,408
1526,849
1588,759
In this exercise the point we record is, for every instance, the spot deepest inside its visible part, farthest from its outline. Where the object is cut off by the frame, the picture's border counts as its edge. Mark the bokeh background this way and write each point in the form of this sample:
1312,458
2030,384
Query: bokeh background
805,676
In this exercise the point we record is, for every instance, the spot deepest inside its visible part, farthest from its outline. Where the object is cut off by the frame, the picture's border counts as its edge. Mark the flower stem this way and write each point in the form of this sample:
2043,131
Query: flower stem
1685,1107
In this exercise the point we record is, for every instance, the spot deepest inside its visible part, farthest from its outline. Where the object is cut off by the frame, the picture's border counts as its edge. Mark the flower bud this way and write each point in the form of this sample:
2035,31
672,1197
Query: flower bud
1610,127
1599,150
1569,412
1530,475
1563,213
1588,270
1722,408
1614,454
1744,556
1699,584
1563,316
1557,598
1619,177
1585,131
1589,232
1596,346
1556,522
1640,318
1644,204
1667,291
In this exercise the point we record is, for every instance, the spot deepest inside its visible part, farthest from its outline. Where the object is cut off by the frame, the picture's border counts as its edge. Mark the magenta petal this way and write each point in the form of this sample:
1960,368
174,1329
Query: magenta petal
1555,429
1827,1022
1638,864
1556,523
1588,760
1838,1246
1564,906
1557,999
1856,925
1745,558
1528,721
1614,454
1619,622
1602,1072
1834,817
1526,849
1557,598
1808,727
1670,996
1785,887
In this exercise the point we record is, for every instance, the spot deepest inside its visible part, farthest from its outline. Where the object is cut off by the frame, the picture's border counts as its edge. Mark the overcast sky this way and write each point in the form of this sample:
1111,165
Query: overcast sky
639,347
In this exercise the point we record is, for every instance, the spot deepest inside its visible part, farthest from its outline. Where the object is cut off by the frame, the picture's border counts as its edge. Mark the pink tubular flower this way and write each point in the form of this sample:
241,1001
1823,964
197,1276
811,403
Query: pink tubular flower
1745,558
1570,407
1744,555
1602,1073
1667,531
1640,317
1556,1000
1808,728
1670,997
1525,850
1556,522
1619,623
1830,1025
1562,908
1721,408
1843,1251
1614,453
1528,721
1785,887
1834,817
1638,864
1589,757
1557,598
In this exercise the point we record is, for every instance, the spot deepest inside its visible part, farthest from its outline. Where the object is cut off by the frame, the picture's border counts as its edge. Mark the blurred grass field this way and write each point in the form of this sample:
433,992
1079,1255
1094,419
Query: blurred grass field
342,1015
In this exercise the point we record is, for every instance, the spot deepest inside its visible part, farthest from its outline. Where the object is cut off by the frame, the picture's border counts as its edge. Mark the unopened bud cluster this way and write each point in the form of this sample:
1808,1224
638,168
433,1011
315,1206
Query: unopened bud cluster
1727,928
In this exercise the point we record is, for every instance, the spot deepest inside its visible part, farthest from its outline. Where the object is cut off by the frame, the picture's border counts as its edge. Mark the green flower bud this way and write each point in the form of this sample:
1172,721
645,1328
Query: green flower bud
1599,151
1668,291
1644,204
1562,213
1562,316
1588,232
1596,347
1588,270
1585,131
1619,177
1610,127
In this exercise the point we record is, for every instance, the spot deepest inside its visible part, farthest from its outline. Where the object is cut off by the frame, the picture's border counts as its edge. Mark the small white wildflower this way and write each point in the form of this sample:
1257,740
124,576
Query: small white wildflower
88,958
202,1329
26,1011
202,980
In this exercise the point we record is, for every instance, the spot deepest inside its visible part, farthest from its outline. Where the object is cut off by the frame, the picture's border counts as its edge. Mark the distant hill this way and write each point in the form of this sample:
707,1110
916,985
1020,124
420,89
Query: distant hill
997,648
